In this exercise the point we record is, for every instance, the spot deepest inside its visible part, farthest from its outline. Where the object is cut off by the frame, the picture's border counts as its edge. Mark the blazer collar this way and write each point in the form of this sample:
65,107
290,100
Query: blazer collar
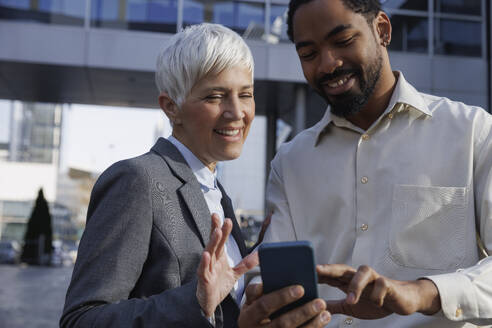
190,190
193,196
174,159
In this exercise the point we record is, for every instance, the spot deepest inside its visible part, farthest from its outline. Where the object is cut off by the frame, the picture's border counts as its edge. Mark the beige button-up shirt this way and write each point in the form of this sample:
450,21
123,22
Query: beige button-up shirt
404,197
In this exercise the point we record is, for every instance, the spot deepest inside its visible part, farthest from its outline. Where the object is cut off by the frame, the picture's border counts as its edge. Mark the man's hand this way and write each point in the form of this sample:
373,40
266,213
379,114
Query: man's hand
259,307
372,296
215,277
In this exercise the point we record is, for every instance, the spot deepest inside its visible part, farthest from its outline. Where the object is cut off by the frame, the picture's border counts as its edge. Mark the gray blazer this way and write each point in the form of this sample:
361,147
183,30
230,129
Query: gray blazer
147,225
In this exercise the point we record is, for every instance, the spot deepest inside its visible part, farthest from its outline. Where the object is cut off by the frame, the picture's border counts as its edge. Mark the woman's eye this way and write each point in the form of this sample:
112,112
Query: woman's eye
213,97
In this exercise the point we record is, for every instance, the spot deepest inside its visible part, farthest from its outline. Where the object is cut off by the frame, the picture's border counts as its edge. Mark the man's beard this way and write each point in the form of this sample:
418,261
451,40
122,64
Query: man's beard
352,102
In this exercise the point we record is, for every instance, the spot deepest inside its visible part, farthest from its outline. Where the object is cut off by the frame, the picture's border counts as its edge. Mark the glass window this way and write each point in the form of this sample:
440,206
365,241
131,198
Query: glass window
193,12
405,4
237,15
63,7
249,13
104,10
162,11
146,15
455,37
136,10
65,12
16,208
463,7
42,136
223,13
409,34
278,21
4,121
21,4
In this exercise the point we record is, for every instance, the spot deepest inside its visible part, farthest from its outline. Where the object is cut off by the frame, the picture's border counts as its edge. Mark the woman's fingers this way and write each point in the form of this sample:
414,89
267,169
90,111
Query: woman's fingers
202,270
226,231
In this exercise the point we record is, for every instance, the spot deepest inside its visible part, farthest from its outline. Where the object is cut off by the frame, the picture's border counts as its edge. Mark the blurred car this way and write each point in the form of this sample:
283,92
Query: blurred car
62,254
10,252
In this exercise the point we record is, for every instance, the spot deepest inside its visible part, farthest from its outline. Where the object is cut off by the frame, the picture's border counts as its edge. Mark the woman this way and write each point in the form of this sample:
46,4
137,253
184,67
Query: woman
141,260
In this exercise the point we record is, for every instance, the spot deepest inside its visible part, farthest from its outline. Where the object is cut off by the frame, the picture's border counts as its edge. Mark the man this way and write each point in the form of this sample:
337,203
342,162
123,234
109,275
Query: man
392,184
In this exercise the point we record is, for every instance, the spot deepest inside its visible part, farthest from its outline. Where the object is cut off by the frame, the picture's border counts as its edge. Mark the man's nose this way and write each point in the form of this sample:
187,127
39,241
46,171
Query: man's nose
330,61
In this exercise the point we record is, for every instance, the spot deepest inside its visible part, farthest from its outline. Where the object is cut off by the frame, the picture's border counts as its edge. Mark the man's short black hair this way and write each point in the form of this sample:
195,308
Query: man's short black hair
368,8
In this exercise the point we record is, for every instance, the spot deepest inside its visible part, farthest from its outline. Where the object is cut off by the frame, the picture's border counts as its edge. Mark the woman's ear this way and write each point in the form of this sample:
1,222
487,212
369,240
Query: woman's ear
169,108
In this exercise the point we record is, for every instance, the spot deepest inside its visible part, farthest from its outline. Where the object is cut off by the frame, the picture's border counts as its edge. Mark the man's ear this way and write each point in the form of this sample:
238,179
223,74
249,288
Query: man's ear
382,25
169,108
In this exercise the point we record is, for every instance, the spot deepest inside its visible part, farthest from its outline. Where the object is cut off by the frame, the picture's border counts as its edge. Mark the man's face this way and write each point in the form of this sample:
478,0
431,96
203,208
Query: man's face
339,54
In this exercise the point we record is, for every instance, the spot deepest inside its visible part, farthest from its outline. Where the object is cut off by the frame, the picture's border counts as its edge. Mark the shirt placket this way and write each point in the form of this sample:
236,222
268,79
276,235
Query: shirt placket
366,191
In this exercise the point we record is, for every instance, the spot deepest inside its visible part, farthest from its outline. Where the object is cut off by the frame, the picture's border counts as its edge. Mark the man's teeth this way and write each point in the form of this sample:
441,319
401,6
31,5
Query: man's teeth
339,82
228,132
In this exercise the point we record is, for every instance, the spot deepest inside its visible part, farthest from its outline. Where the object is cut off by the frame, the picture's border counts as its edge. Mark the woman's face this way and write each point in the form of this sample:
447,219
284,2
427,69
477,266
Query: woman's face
214,120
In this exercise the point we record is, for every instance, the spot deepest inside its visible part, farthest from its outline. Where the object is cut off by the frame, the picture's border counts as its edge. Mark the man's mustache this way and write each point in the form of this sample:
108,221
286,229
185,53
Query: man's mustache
336,74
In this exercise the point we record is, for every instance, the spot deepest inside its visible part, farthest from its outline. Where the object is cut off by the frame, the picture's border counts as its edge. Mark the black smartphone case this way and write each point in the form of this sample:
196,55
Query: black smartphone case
288,263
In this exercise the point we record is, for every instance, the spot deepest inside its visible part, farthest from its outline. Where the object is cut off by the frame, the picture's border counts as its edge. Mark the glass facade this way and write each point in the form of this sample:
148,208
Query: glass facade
144,15
421,5
278,19
63,12
456,37
35,133
457,26
409,34
462,7
237,15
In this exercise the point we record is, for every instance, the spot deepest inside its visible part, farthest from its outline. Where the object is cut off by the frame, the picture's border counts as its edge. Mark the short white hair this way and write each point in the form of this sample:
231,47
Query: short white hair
195,52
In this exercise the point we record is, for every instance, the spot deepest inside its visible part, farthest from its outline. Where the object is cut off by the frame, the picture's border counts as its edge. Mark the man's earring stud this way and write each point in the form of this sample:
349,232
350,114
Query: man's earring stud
386,41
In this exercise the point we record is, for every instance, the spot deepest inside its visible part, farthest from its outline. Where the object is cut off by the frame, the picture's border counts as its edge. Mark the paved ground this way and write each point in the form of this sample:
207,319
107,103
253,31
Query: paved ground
32,296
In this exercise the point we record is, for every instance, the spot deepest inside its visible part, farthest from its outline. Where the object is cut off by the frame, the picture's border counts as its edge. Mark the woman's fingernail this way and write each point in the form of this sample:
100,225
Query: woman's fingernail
351,298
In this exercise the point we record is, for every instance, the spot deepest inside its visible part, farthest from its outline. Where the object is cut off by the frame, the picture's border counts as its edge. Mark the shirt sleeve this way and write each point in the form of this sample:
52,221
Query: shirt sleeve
281,227
466,295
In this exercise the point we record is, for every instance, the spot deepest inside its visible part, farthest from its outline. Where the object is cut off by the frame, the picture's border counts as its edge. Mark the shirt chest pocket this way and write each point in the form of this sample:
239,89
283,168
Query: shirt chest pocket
428,226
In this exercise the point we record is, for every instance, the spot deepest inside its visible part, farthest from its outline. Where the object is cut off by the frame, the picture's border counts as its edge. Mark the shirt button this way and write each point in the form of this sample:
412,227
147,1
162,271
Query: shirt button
459,312
390,116
364,227
365,137
348,321
364,180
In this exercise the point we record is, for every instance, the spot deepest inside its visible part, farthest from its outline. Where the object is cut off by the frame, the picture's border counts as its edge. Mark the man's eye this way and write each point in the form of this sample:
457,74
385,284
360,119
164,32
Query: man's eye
246,95
345,42
306,55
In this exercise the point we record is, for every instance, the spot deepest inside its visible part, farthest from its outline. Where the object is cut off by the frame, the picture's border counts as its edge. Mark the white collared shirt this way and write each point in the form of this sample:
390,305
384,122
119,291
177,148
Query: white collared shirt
403,197
213,196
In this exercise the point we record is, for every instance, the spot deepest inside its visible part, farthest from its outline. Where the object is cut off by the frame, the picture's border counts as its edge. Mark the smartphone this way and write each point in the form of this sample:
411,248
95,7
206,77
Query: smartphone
288,263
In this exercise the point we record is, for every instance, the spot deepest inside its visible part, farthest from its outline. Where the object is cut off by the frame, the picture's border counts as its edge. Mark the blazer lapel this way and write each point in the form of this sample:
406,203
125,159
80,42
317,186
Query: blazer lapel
229,213
190,190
